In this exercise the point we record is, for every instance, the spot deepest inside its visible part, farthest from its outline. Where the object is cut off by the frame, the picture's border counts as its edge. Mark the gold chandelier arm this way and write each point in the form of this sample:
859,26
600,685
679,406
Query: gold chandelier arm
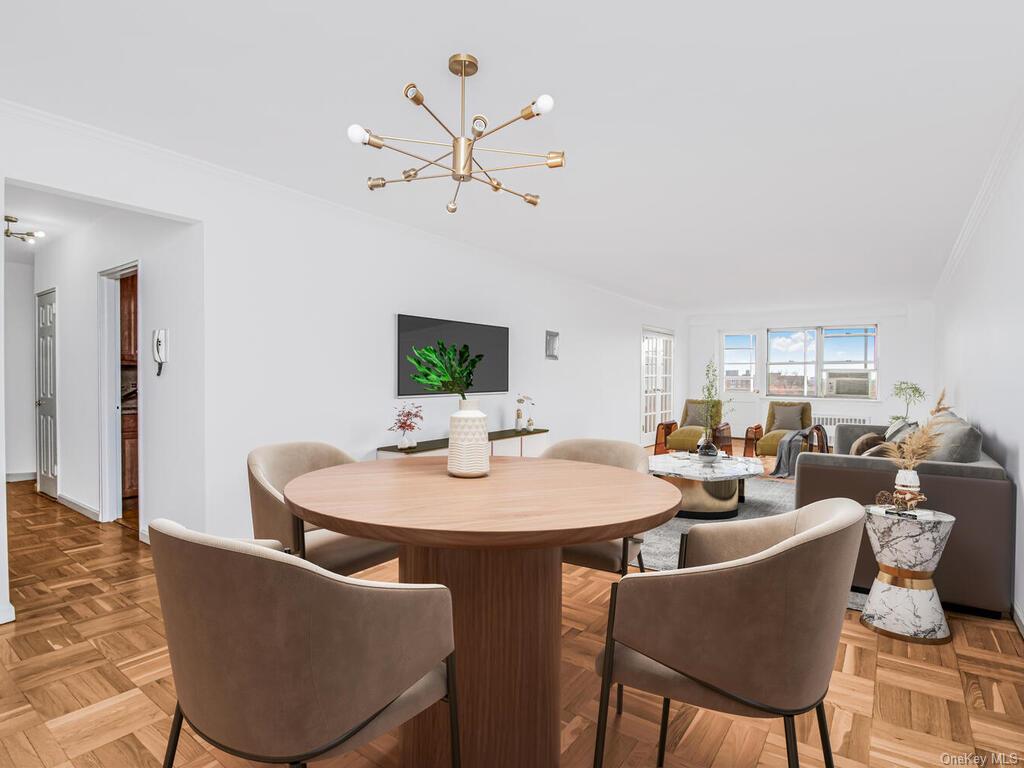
417,178
513,167
438,120
426,160
419,141
481,168
499,188
504,151
434,162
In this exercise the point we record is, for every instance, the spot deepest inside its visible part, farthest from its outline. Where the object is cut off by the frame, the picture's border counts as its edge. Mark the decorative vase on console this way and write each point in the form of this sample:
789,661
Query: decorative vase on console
469,450
407,418
448,368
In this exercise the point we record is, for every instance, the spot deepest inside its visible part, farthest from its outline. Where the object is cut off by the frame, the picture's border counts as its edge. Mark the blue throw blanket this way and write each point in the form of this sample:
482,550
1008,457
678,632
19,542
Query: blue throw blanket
789,448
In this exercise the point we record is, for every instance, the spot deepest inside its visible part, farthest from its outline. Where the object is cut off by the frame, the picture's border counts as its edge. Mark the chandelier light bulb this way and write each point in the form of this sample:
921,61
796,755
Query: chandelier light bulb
357,134
452,207
30,240
543,104
39,233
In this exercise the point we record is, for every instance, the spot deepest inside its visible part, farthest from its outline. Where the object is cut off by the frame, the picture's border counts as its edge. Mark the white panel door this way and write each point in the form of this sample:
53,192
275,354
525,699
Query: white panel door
46,393
655,383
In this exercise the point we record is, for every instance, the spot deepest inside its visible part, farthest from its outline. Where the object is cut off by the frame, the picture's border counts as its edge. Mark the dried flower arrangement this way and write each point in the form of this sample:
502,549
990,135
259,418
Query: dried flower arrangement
917,447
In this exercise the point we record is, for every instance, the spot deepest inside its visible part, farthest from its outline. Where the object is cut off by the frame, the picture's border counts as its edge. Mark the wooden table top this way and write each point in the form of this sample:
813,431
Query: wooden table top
524,502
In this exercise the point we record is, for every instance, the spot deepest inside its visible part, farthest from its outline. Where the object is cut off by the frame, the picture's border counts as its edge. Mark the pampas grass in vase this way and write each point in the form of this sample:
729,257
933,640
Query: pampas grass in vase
908,455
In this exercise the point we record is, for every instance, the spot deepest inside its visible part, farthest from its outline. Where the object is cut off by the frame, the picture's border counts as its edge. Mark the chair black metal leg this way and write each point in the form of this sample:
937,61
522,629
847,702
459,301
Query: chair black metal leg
663,735
172,738
624,559
453,714
618,699
606,683
826,744
682,550
640,561
792,758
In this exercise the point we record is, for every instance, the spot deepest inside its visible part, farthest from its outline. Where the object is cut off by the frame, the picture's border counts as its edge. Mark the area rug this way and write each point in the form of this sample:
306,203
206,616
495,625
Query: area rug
764,497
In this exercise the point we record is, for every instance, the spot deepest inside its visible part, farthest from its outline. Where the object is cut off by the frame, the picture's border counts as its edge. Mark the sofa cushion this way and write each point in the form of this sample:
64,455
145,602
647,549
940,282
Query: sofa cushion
865,442
958,441
787,417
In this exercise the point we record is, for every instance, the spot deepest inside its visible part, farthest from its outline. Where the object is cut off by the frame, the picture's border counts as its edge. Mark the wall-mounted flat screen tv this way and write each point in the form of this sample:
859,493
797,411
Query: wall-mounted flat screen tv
491,341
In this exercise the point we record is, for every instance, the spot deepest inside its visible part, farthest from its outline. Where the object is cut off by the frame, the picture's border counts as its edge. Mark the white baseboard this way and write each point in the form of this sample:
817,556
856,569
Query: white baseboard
144,535
6,612
79,507
19,477
1017,618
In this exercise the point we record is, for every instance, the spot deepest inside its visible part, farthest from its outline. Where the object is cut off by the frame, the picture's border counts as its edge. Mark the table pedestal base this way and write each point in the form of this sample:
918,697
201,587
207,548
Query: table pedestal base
707,500
507,606
906,609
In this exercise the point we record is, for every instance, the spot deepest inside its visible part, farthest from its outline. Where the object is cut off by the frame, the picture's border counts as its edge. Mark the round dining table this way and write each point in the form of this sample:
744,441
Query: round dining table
495,542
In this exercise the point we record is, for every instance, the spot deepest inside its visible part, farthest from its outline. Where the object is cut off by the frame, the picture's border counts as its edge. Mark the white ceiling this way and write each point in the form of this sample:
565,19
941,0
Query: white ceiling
742,153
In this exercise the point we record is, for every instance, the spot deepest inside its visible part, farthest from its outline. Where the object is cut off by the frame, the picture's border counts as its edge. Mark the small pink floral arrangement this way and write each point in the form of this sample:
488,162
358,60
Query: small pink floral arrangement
407,418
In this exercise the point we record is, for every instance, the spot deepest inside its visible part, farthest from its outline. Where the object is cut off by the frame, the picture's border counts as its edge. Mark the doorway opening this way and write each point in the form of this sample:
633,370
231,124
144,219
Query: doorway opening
119,395
46,393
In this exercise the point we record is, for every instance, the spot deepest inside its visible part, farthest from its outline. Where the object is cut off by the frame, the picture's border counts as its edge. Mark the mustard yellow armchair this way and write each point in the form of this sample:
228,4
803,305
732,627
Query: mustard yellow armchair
764,440
672,437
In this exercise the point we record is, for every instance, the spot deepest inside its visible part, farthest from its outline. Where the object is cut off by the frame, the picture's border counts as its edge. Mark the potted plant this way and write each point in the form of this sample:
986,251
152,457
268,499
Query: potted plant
407,418
707,451
910,393
448,368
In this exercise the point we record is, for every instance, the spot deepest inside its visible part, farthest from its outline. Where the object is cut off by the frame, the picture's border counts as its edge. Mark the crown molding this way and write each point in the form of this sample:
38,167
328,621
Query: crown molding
1009,144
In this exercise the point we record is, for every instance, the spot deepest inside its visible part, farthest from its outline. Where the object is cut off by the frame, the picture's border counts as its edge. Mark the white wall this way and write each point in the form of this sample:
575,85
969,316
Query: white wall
170,296
299,322
905,351
6,609
19,371
980,322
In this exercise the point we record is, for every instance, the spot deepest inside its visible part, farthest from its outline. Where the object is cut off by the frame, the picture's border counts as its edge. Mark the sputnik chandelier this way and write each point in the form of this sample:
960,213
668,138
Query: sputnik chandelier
458,163
26,237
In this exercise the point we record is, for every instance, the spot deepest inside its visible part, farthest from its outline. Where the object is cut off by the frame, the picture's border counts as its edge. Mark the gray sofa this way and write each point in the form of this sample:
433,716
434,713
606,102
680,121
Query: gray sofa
977,567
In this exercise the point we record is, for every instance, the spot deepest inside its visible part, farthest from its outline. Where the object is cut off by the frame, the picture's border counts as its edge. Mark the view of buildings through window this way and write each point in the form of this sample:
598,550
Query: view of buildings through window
818,361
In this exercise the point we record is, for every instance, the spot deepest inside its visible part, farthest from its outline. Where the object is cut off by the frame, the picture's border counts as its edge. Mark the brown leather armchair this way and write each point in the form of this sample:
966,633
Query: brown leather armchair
276,660
764,440
614,556
749,627
271,468
671,437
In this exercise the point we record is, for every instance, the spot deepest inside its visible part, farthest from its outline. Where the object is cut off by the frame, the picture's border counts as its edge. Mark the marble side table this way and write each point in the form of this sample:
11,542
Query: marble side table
903,602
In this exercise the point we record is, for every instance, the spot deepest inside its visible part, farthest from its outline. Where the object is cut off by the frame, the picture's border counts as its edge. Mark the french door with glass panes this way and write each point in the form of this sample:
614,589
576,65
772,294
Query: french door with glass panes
655,382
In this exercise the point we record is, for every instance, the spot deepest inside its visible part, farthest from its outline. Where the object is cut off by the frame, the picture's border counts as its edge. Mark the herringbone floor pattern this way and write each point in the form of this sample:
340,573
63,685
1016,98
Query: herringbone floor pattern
85,679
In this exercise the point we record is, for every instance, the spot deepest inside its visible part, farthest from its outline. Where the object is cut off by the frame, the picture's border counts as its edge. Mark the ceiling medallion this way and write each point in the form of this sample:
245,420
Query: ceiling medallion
458,162
26,237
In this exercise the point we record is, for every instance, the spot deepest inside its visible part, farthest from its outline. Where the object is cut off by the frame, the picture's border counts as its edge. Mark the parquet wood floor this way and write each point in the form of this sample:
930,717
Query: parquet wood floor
85,679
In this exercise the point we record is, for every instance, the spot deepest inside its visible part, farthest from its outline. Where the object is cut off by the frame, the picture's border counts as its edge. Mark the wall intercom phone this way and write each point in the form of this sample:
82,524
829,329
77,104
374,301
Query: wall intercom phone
160,349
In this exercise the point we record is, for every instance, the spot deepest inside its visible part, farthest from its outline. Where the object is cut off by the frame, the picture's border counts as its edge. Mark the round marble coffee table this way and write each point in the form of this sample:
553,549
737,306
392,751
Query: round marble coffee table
709,491
903,602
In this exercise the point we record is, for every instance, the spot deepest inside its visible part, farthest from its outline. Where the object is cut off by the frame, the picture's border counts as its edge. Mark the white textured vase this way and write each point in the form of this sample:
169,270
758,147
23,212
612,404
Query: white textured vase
469,451
908,480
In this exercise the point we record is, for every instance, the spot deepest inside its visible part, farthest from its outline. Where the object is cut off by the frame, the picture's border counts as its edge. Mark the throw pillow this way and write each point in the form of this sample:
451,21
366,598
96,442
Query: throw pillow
788,417
900,430
958,441
694,414
865,442
875,450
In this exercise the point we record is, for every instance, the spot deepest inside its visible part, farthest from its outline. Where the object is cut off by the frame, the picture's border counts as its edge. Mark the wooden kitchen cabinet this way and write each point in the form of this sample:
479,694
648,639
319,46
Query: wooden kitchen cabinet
129,319
129,454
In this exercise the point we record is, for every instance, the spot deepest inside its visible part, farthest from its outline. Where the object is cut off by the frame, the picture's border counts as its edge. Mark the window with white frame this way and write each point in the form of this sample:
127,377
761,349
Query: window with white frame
739,361
823,361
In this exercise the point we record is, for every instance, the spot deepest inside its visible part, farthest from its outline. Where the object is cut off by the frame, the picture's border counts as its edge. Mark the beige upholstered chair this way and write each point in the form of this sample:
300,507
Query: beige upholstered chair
271,468
749,627
614,556
685,434
764,440
277,660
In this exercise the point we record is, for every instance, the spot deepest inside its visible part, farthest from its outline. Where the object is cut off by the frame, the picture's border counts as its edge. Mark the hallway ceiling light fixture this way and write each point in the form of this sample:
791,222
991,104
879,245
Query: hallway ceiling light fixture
462,165
25,237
